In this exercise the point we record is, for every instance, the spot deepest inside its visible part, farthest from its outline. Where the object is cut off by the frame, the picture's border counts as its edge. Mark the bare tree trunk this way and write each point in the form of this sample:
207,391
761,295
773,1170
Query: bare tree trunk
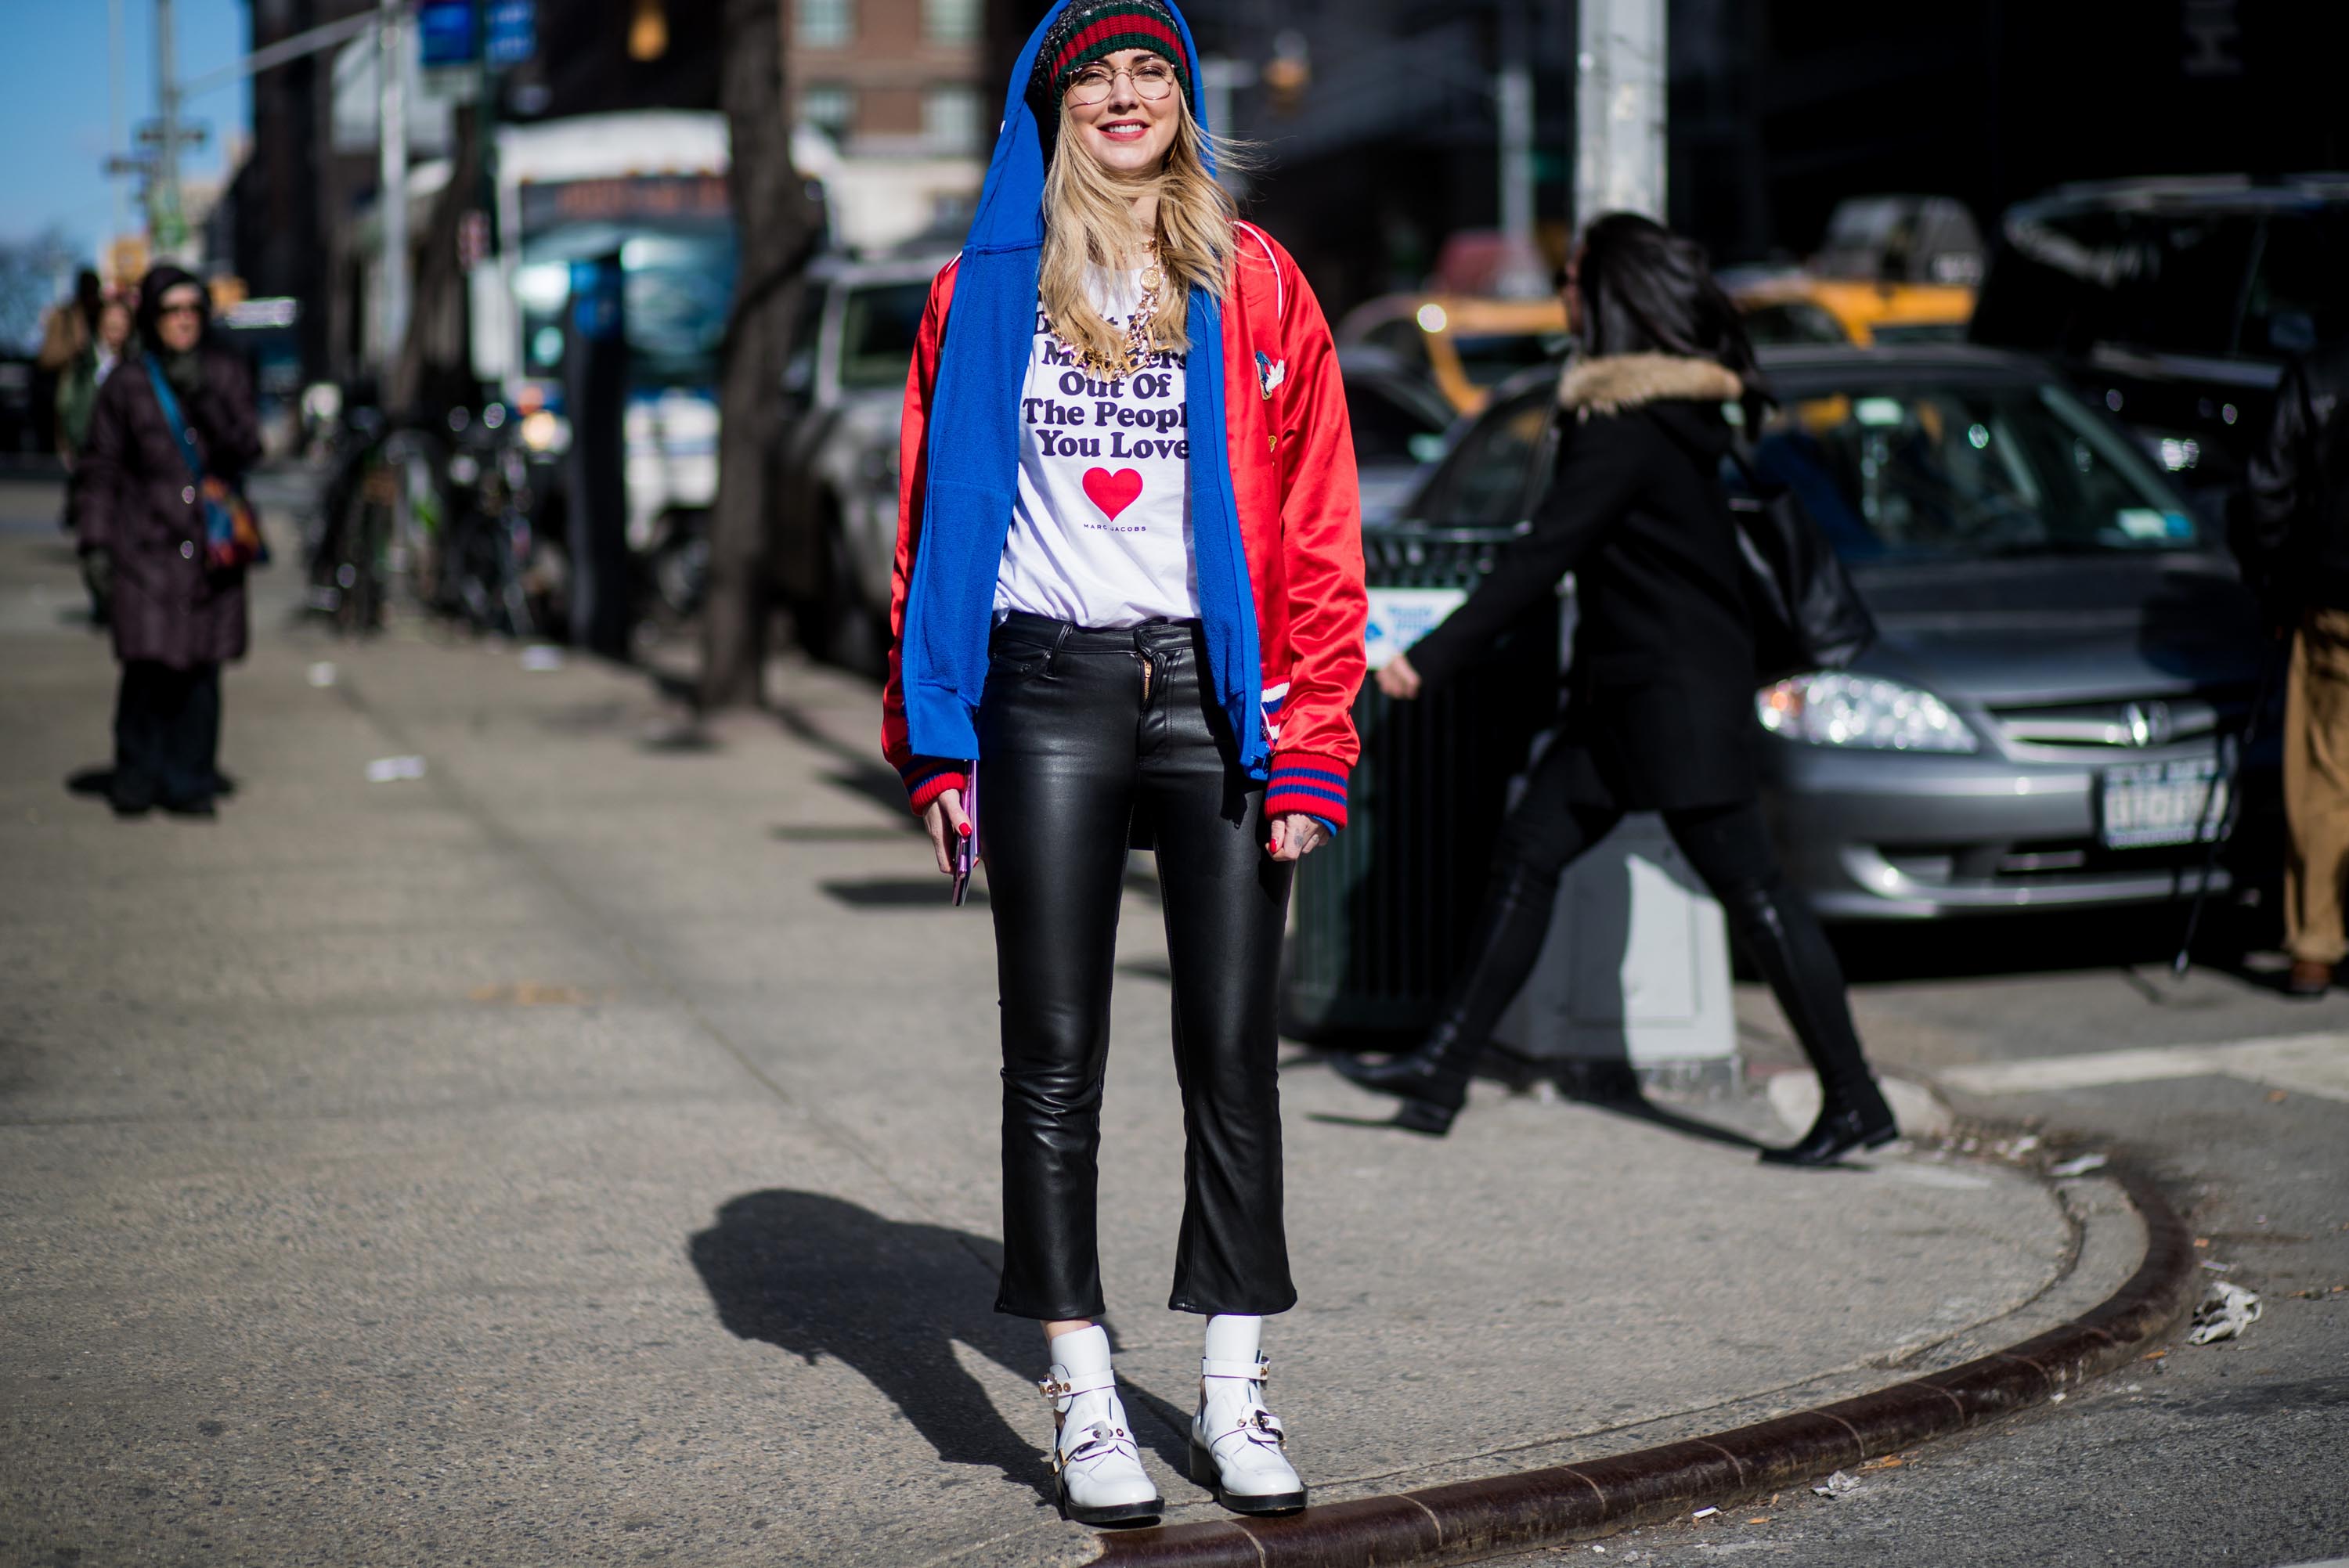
778,227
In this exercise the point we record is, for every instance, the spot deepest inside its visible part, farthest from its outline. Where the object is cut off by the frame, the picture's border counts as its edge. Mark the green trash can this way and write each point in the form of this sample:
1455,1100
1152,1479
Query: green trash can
1380,916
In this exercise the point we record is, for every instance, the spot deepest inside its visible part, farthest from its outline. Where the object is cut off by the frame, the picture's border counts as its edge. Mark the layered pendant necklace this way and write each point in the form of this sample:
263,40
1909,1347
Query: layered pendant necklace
1141,328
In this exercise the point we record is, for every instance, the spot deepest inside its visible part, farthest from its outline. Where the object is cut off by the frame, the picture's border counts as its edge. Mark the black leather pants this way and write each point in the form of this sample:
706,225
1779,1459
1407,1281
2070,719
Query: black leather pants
1729,846
1085,738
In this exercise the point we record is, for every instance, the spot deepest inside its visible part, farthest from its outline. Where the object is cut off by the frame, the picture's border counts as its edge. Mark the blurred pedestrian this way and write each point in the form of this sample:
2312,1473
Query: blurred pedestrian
1661,715
86,372
2290,528
66,329
142,518
76,401
1129,584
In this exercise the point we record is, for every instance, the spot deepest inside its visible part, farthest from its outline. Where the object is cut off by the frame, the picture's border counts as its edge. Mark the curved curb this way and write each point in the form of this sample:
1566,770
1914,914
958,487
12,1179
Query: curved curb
1475,1519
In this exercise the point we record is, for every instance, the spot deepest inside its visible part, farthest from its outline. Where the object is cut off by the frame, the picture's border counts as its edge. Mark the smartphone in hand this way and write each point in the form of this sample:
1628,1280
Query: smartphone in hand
966,848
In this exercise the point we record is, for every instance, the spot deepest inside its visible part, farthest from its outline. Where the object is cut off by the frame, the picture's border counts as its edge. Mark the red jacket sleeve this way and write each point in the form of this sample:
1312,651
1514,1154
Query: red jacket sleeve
925,778
1322,545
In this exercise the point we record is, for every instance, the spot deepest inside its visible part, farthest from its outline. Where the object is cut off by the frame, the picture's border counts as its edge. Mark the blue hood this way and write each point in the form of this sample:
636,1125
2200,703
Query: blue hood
973,462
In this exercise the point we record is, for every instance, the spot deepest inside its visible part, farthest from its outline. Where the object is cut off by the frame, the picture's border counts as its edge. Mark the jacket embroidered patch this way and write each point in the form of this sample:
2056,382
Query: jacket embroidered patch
1269,375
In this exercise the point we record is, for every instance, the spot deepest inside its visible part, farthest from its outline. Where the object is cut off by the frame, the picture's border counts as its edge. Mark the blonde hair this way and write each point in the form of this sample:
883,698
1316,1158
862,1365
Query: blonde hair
1089,221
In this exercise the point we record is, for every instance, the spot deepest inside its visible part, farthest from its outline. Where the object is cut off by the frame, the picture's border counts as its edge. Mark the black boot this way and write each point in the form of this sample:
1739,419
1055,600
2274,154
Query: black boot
1783,939
1856,1119
1432,1080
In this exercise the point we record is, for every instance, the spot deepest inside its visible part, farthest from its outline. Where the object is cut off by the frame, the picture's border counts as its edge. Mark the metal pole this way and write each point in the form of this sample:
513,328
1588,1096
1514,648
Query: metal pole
1514,96
1618,163
391,62
164,215
118,141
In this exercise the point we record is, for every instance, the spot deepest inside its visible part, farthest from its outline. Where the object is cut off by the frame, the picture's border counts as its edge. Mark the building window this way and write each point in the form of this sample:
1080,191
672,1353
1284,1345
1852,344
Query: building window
830,108
951,21
827,23
950,118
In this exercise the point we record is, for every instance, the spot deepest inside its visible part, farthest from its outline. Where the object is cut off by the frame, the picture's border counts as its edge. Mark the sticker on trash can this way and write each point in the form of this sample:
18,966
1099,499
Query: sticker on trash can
1402,616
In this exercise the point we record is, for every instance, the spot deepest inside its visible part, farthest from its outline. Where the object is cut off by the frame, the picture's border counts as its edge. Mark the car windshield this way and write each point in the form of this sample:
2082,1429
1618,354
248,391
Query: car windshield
1913,473
1492,357
878,327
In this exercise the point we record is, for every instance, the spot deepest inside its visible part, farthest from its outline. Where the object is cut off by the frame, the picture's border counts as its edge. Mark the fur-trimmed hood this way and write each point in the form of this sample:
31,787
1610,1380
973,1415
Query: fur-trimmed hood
1614,382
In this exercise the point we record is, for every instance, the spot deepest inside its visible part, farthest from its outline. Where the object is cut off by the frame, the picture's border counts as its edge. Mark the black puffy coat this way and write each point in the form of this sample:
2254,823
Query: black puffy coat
1662,677
135,501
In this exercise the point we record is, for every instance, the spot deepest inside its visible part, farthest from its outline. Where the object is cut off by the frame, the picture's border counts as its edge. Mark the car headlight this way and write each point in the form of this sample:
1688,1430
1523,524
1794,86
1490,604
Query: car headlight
1838,709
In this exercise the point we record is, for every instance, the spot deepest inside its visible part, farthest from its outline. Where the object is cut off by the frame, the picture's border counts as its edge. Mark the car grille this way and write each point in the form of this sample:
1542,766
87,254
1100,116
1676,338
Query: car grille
2145,722
2020,864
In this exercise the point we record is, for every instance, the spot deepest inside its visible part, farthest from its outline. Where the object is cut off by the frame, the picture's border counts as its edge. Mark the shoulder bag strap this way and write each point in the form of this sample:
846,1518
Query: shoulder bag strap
172,418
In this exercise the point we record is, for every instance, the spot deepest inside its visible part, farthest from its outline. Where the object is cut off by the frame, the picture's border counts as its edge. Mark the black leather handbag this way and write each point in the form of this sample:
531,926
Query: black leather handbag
1807,615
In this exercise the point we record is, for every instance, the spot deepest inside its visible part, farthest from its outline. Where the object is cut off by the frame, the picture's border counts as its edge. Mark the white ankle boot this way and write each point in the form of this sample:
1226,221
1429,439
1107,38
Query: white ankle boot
1096,1465
1236,1444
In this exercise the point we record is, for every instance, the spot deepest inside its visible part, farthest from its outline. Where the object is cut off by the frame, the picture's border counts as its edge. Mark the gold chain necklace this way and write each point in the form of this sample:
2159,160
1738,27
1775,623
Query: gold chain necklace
1141,329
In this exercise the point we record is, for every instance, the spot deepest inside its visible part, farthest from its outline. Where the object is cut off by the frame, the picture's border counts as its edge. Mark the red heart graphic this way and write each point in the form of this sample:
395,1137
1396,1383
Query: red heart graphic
1113,492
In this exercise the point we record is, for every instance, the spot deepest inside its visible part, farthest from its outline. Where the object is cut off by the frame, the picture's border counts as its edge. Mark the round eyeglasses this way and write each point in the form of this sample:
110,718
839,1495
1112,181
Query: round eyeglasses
1151,79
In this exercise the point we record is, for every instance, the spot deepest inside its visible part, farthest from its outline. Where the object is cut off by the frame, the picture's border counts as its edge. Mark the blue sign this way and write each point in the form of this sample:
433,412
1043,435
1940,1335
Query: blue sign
513,32
444,30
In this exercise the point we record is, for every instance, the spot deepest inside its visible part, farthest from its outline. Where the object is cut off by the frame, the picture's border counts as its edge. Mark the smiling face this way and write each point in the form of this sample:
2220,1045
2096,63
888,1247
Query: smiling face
179,316
1128,131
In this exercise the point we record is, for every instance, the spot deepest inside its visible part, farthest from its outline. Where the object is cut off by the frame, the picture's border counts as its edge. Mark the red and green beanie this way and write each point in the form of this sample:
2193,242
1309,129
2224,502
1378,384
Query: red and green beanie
1090,30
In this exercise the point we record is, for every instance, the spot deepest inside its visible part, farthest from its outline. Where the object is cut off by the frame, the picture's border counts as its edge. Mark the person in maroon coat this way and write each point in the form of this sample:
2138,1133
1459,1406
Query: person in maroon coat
176,621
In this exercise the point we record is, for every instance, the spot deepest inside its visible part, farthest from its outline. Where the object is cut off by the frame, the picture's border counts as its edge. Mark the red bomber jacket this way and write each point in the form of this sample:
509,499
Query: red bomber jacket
1292,457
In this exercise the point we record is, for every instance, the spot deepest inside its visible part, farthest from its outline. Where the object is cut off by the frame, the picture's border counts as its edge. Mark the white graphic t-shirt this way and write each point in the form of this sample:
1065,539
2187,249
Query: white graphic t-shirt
1100,532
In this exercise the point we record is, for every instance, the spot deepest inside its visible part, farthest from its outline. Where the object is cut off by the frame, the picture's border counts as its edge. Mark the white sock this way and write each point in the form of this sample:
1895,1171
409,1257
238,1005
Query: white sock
1075,1354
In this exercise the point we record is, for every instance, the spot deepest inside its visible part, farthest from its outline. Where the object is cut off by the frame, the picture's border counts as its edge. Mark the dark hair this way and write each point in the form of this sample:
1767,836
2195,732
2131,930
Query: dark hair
89,295
1646,290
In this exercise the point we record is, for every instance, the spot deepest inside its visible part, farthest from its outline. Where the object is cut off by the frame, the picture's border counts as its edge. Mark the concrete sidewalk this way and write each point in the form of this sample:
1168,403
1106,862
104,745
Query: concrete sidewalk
587,1152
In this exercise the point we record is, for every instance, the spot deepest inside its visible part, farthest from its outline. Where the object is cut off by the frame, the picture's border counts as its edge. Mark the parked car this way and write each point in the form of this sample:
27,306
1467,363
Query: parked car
835,528
1398,421
2067,655
2176,304
1798,307
1464,346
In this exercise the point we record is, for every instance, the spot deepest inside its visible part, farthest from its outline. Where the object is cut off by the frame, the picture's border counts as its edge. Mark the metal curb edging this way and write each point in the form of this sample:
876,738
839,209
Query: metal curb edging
1470,1519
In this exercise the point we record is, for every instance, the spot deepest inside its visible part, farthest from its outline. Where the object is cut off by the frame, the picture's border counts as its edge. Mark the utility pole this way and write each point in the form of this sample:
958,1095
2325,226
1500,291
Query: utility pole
1619,161
391,204
1514,99
164,215
117,140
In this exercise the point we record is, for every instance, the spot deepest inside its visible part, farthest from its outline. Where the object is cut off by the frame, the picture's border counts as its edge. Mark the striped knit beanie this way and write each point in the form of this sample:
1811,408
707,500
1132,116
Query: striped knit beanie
1092,30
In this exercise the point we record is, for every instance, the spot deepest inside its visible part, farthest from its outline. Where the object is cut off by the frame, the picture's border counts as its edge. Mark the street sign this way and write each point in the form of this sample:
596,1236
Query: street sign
513,32
444,32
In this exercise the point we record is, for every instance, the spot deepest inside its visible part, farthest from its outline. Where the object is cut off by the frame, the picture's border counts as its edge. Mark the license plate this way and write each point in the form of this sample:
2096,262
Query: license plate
2156,803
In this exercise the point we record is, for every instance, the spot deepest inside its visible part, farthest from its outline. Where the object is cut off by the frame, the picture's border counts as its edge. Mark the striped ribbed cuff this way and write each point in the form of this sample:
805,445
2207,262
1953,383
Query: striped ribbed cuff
1300,781
926,779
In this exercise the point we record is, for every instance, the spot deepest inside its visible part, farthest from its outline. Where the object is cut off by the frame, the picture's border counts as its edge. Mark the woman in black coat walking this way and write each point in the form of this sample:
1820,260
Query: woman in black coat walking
1660,716
141,519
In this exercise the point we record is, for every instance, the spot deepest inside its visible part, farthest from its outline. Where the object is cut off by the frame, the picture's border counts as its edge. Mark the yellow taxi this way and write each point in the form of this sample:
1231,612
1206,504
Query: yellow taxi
1802,307
1464,344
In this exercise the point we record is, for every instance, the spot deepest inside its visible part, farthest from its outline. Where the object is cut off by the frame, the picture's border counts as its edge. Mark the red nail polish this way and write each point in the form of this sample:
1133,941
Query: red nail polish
964,829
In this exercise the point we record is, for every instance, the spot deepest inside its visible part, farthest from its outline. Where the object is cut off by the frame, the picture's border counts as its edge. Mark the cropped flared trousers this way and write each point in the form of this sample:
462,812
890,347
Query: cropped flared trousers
1088,740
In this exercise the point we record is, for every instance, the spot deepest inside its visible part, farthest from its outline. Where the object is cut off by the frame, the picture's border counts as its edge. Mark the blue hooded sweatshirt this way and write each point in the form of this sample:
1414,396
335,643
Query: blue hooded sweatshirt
973,460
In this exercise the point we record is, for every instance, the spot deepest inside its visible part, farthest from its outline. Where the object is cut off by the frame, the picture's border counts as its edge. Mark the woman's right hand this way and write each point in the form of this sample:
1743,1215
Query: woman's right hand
947,824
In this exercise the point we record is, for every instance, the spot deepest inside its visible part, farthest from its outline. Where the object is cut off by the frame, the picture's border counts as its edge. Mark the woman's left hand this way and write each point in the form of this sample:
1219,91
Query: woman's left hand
1398,679
1294,836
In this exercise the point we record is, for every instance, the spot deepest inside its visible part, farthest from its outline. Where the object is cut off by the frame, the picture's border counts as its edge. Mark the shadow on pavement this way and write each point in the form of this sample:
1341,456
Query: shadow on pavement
819,1276
816,1276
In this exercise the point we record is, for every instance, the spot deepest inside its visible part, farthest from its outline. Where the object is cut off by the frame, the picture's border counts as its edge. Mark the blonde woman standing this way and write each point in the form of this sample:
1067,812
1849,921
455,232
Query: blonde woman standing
1129,608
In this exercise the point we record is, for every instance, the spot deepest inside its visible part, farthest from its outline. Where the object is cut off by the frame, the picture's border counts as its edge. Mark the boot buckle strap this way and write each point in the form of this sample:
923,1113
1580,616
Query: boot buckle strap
1058,1389
1257,1371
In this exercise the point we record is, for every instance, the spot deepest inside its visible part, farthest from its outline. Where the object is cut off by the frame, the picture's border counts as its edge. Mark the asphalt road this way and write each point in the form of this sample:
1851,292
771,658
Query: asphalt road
2234,1452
